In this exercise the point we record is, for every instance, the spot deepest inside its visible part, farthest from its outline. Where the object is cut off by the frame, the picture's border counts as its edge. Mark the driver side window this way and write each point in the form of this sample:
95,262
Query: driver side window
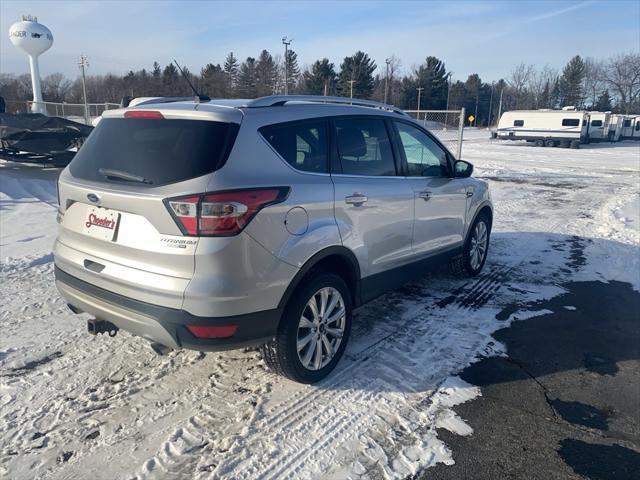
425,158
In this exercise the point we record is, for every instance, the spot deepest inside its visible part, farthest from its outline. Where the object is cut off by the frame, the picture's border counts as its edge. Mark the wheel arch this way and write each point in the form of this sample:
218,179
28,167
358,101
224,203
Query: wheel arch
484,208
335,259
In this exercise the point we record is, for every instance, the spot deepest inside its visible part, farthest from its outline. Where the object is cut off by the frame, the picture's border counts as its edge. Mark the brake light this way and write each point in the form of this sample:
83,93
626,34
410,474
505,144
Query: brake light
149,114
221,214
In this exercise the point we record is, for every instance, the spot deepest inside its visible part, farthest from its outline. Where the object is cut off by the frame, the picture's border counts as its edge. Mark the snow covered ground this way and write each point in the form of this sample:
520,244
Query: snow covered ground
77,406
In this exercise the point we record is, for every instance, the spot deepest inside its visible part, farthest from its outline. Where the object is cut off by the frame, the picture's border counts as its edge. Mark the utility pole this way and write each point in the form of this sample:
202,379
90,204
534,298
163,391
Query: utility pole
446,115
82,64
475,117
420,89
490,105
286,42
386,80
351,82
500,106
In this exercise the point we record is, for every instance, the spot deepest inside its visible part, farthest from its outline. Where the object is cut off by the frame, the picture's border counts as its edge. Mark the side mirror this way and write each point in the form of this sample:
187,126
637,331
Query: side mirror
463,169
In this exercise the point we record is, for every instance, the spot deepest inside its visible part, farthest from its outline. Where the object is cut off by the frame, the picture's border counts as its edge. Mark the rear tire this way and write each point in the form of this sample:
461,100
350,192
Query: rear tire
550,143
539,143
575,144
564,144
314,330
476,248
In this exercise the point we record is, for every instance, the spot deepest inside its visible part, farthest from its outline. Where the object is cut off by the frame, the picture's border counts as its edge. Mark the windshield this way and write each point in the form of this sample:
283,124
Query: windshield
152,152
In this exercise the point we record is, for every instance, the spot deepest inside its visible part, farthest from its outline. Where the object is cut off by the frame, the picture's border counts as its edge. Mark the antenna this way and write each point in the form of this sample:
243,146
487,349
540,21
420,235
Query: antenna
201,98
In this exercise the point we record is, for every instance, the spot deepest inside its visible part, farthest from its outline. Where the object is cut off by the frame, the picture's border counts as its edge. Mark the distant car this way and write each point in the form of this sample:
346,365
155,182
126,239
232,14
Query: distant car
229,223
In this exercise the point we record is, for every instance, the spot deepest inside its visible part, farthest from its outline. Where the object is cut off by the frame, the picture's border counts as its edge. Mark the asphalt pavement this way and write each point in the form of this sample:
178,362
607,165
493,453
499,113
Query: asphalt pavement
565,401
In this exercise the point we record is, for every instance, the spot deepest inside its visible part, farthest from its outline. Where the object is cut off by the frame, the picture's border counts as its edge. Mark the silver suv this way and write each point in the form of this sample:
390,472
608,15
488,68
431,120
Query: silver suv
228,223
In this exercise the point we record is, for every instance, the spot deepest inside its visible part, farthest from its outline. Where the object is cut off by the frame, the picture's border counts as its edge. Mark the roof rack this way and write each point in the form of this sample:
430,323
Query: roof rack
280,100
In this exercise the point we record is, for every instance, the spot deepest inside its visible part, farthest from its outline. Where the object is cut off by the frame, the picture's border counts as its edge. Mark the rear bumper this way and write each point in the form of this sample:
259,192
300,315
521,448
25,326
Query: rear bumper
163,324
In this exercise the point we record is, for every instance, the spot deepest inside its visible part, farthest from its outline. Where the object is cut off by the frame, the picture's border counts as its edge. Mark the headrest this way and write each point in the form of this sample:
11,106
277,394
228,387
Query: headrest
351,142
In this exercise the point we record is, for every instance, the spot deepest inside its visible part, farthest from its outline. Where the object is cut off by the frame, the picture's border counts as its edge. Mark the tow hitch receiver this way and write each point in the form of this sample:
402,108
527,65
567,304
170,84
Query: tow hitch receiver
96,327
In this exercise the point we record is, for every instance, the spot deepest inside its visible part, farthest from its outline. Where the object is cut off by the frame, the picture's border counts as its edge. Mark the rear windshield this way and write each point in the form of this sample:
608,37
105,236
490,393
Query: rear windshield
153,152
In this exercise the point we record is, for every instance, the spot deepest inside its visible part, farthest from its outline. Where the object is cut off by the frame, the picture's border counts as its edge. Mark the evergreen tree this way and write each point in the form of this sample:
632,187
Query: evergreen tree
320,80
293,70
571,82
545,96
213,81
231,69
604,102
170,79
156,72
431,77
247,78
266,74
358,68
555,94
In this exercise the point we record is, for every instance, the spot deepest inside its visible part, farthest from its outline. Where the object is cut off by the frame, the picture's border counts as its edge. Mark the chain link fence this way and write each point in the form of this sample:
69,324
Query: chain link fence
446,125
72,111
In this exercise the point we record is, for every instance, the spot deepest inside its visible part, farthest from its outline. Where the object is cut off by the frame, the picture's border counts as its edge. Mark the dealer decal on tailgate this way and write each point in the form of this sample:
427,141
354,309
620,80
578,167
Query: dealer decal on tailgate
101,223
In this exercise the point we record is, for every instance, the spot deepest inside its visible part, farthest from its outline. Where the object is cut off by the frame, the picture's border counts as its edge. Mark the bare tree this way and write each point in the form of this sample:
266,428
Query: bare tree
518,81
55,87
593,82
622,75
540,83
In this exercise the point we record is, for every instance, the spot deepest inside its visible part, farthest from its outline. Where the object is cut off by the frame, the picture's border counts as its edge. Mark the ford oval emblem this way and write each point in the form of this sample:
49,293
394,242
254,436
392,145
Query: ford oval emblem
93,197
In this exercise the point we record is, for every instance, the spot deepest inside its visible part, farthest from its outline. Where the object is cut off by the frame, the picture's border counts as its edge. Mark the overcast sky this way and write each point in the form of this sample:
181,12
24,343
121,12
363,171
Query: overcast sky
489,38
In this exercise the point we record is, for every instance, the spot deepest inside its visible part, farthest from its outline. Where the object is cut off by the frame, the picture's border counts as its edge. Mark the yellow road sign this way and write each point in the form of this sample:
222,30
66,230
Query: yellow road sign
471,118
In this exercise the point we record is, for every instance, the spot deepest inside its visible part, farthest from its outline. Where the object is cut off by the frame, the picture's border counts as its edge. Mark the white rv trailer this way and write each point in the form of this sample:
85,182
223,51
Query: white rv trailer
630,127
549,128
599,126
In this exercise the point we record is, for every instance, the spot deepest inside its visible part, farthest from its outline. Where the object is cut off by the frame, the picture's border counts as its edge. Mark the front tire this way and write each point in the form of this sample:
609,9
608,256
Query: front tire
314,330
476,248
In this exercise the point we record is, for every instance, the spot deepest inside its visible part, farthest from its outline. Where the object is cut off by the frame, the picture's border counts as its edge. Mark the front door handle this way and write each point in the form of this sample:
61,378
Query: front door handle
426,196
356,199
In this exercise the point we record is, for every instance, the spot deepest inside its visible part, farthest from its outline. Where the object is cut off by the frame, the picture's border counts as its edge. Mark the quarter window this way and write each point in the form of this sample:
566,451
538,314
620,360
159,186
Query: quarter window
302,144
364,147
570,122
518,123
627,123
596,123
425,158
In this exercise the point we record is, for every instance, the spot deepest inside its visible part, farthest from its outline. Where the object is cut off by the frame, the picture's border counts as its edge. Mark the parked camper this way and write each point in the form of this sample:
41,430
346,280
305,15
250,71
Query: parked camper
545,128
630,128
599,126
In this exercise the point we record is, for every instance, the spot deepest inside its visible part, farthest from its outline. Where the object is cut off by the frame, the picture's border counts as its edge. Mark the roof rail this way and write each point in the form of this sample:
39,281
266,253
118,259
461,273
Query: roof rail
280,100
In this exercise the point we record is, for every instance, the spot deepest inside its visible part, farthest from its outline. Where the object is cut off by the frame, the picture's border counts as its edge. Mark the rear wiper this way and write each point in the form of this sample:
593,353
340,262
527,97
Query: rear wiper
131,177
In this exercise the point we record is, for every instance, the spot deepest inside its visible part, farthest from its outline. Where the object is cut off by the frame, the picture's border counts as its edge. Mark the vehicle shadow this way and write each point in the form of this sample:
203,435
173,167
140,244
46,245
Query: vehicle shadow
21,182
410,340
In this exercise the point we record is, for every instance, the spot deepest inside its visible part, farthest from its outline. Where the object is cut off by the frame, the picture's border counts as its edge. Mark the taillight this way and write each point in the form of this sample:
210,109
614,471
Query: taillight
149,114
221,214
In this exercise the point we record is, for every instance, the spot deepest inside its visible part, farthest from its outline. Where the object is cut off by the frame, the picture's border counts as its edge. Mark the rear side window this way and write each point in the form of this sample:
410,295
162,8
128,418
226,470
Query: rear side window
570,122
627,123
518,123
364,147
302,144
596,123
153,152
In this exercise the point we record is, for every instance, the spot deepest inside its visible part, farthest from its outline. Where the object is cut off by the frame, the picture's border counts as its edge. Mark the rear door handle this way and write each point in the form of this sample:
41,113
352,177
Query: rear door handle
426,196
356,199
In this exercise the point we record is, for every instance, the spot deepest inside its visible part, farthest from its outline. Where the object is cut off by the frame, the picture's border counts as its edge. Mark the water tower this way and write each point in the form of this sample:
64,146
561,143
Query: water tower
34,39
